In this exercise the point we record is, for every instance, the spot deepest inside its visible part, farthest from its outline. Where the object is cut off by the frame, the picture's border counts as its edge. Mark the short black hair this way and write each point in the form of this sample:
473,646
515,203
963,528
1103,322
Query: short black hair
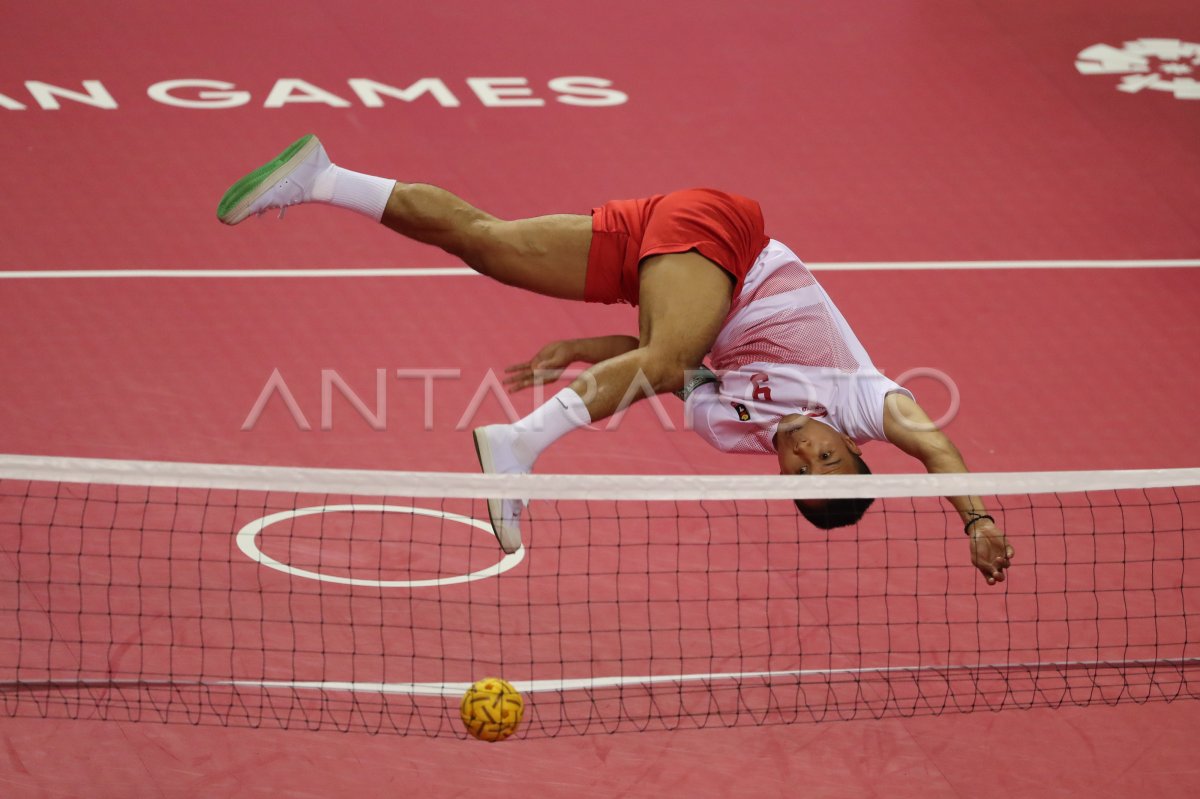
837,512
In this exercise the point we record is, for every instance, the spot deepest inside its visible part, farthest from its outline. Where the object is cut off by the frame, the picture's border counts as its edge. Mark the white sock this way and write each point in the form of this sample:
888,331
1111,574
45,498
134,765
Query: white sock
559,415
366,194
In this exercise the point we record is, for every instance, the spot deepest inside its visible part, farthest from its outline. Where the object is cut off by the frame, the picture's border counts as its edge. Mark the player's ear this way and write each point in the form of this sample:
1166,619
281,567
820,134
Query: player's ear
850,445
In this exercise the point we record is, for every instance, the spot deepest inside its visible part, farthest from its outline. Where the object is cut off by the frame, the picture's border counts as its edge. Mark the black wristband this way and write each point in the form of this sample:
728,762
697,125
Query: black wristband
699,377
974,518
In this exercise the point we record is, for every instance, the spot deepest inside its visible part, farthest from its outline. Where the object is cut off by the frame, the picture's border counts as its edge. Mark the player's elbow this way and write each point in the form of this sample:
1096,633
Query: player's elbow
938,453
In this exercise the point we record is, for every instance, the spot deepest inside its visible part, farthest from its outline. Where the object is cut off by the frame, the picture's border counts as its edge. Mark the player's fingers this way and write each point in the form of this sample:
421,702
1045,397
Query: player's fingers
991,572
547,375
520,370
1004,557
998,571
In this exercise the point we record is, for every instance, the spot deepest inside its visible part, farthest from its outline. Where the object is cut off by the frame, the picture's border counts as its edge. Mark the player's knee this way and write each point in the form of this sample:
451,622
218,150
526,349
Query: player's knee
475,244
664,371
488,246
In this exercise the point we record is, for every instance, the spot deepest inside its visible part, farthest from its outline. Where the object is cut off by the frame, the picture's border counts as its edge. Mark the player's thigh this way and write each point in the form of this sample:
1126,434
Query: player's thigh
546,254
684,299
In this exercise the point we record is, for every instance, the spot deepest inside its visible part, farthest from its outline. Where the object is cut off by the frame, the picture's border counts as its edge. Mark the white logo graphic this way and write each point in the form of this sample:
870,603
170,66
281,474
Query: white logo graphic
1165,65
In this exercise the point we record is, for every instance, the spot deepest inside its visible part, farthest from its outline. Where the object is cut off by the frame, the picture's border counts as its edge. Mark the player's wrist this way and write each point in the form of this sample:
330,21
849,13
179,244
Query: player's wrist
572,348
977,520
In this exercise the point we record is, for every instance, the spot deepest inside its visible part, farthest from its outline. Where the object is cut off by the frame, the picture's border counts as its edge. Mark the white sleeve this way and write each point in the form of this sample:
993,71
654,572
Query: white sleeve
714,417
703,413
869,407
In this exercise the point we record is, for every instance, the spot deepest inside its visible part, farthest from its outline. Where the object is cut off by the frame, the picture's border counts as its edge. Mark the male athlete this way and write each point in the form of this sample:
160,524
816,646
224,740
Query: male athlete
791,377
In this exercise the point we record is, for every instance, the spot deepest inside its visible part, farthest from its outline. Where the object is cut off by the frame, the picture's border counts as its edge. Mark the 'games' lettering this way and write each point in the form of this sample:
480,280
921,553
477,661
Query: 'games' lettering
498,92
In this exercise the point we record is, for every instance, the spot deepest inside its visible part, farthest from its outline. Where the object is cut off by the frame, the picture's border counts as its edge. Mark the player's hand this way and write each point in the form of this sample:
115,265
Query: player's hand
990,551
545,367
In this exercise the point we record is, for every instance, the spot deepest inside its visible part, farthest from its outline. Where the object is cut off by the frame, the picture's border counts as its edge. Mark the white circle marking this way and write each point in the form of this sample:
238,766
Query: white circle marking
942,378
247,543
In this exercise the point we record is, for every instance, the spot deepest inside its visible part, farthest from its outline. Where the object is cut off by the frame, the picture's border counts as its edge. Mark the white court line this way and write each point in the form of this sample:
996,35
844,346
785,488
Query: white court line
850,266
593,683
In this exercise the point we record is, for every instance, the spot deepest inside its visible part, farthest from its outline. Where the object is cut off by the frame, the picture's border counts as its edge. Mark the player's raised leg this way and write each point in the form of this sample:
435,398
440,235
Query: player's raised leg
546,254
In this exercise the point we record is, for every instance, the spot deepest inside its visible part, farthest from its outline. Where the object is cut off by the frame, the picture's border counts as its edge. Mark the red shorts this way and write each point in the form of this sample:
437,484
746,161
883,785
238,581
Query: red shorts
724,228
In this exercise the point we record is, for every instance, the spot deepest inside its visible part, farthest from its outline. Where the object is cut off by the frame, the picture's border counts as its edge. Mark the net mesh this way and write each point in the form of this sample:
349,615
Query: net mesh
313,602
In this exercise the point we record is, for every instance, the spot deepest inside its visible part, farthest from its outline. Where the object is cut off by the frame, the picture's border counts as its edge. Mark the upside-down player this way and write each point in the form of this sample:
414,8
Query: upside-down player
791,378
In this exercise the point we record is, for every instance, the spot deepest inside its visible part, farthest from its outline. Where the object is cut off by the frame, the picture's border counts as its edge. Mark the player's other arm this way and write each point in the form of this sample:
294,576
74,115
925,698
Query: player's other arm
908,427
553,359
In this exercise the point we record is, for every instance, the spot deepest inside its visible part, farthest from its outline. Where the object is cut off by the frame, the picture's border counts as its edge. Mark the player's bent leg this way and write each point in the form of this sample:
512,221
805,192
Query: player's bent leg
545,254
684,301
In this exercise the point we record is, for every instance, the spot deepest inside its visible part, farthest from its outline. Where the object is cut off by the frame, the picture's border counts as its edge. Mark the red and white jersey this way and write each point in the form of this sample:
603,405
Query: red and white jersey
785,348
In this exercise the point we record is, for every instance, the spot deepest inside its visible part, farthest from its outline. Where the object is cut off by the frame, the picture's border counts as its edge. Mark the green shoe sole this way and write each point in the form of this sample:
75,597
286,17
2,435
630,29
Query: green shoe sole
235,204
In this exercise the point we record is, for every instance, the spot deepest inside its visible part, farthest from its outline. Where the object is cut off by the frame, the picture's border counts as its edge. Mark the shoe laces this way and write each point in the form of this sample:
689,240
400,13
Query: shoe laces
283,194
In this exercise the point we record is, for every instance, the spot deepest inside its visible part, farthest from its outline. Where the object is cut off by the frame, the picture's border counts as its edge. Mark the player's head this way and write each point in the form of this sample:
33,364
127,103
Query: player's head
809,447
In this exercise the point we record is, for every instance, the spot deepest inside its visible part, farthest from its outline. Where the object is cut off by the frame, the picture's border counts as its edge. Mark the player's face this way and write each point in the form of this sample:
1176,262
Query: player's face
806,446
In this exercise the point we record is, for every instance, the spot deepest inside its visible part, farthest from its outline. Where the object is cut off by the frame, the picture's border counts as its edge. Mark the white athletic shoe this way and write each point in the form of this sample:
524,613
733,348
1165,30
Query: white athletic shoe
493,444
287,180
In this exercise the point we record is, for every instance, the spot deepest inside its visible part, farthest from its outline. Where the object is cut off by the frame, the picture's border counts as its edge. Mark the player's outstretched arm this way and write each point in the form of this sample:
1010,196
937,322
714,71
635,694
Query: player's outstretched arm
552,360
908,427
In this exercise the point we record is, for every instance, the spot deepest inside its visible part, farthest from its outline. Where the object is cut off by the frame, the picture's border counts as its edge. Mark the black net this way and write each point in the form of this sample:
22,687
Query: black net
373,614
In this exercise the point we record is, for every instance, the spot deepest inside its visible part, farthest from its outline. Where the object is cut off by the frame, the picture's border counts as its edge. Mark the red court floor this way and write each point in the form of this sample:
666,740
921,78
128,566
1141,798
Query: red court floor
881,132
